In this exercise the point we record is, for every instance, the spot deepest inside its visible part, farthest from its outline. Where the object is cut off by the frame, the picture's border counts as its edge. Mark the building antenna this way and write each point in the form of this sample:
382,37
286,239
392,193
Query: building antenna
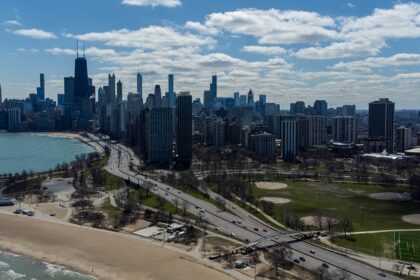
77,48
84,56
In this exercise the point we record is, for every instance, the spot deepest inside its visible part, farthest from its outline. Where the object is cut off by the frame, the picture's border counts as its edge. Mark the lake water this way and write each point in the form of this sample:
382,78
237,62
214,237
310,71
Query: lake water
26,151
18,267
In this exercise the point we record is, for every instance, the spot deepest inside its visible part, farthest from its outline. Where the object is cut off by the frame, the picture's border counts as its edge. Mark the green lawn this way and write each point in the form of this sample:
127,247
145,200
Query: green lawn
343,200
154,202
377,244
112,212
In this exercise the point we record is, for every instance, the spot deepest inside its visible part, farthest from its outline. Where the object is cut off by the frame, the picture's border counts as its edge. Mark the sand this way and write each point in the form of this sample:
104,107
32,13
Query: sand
110,255
412,219
391,196
271,185
62,188
276,200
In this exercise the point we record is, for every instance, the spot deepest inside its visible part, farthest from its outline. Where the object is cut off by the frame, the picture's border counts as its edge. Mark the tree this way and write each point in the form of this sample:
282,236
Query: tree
267,206
340,274
323,273
347,226
83,204
414,182
281,255
331,222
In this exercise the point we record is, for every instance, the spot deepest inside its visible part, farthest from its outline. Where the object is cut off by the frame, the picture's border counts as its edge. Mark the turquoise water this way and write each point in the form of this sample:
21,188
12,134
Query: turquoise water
25,151
18,267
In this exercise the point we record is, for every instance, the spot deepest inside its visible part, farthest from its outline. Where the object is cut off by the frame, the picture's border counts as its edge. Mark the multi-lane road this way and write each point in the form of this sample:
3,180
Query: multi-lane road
247,229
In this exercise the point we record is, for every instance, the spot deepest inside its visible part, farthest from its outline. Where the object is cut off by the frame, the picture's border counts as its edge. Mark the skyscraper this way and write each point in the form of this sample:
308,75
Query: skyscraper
159,137
344,129
140,84
213,88
381,121
184,128
236,97
1,97
111,98
119,91
158,96
40,91
251,99
321,107
402,138
289,143
171,93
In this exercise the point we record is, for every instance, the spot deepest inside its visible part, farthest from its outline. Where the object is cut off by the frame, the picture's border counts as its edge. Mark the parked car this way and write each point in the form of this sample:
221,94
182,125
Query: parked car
18,211
312,251
302,259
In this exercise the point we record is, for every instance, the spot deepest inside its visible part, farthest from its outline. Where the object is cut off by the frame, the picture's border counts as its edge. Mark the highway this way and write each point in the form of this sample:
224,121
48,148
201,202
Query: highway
243,228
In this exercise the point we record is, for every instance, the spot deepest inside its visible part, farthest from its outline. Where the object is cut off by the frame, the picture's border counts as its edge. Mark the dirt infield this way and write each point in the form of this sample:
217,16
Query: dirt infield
412,219
391,196
271,185
276,200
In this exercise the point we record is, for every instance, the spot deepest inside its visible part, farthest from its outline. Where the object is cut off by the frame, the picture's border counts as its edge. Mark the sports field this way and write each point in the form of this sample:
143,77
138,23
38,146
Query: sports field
407,246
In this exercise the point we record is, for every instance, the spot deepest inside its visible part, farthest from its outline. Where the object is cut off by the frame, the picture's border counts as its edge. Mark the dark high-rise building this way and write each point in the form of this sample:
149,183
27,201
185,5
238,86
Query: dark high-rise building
402,138
344,129
40,91
321,107
213,88
158,96
140,84
119,91
159,136
298,107
381,121
289,141
250,99
171,93
207,99
184,128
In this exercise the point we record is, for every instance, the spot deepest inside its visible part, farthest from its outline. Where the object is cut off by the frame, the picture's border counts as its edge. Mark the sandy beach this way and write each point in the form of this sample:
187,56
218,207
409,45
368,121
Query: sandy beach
106,255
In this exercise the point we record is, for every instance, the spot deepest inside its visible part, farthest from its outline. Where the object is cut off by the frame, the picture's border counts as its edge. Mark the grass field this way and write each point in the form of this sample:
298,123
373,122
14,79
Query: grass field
342,200
407,246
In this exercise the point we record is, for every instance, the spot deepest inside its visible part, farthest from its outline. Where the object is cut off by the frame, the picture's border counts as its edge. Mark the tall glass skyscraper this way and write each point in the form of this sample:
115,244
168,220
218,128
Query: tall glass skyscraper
40,91
184,128
140,84
381,121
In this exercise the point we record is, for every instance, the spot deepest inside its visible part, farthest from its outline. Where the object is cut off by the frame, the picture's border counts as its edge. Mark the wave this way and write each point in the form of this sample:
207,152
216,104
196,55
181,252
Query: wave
11,275
54,270
4,265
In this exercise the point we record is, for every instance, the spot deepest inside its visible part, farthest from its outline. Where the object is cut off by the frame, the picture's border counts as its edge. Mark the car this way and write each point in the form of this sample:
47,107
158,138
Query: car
239,222
179,192
202,211
166,193
233,222
302,259
247,240
18,211
382,274
30,213
196,207
296,260
167,189
52,214
312,251
232,234
264,230
325,265
256,229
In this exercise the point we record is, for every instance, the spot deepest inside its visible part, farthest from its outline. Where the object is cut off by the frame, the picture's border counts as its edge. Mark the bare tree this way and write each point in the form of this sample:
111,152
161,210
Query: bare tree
323,273
347,226
340,274
281,256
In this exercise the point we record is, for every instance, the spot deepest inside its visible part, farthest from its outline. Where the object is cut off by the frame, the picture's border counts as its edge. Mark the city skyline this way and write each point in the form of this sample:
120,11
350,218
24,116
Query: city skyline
314,56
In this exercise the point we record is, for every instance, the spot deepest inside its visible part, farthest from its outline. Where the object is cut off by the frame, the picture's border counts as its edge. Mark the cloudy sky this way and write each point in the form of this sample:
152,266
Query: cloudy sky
341,51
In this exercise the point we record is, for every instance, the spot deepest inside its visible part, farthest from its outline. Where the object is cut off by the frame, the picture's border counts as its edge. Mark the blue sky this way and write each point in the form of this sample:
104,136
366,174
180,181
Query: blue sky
347,52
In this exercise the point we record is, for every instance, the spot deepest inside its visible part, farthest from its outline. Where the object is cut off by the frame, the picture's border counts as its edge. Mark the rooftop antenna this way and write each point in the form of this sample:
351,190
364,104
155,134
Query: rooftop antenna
77,48
84,56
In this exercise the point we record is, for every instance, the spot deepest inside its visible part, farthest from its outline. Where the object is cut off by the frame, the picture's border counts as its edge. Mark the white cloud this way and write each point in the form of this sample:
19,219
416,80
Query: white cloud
153,3
397,60
350,5
201,28
364,36
93,51
35,33
11,22
272,26
265,50
152,37
33,50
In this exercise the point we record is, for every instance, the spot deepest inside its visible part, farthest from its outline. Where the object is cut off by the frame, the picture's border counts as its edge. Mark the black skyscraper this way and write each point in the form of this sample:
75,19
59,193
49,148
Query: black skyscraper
381,121
184,128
